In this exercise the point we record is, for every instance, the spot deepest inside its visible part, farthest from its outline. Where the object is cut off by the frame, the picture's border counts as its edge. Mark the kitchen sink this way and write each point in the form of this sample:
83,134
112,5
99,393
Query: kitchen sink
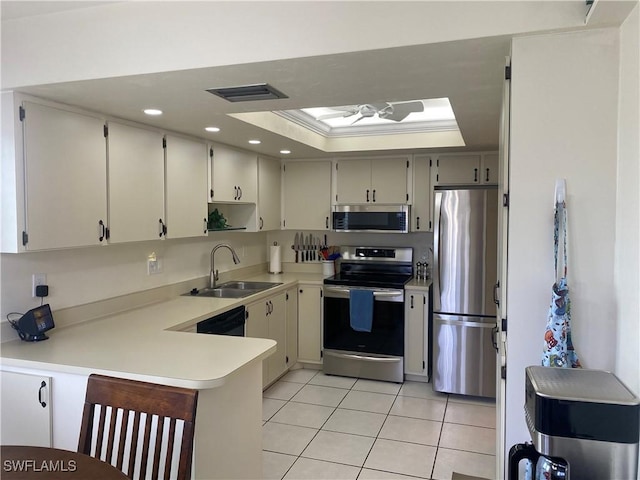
235,289
239,285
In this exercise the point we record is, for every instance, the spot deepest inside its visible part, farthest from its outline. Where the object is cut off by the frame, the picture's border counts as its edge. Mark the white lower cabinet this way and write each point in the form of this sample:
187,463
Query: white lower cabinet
25,410
310,311
267,319
292,326
416,333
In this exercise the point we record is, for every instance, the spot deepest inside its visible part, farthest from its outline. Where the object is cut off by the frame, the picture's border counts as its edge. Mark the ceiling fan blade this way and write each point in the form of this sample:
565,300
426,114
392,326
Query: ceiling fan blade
335,115
339,112
403,110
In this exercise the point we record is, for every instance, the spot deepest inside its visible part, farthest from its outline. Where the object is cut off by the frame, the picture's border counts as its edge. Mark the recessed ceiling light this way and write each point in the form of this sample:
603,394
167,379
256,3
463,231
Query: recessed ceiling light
255,142
285,152
212,129
152,111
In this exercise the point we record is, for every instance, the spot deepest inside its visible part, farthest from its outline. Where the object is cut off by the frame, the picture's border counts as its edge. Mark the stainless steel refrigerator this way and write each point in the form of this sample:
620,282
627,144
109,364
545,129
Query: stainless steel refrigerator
464,273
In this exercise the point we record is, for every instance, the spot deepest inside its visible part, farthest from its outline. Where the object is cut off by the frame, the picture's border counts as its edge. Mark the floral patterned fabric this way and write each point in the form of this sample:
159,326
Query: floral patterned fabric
558,348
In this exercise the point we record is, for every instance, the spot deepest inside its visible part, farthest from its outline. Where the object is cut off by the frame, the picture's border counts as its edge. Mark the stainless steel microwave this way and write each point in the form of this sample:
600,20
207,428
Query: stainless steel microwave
371,218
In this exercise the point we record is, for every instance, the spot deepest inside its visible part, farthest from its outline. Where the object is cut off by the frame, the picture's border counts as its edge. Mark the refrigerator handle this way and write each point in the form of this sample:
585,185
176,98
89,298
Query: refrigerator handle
436,252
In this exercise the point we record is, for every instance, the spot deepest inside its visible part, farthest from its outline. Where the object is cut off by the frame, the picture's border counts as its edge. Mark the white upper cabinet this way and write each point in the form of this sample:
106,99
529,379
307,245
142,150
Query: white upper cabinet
489,168
186,187
306,195
422,208
136,183
269,183
378,180
65,169
234,175
467,169
458,169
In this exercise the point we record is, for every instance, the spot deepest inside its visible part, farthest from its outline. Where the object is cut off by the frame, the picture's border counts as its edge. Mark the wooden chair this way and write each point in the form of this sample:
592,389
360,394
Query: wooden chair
111,429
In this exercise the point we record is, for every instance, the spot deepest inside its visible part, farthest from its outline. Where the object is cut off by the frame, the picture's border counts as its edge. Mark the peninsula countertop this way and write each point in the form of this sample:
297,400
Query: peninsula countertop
147,343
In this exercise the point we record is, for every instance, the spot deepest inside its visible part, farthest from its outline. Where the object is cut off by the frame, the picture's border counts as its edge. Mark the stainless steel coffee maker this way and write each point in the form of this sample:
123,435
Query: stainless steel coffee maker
584,425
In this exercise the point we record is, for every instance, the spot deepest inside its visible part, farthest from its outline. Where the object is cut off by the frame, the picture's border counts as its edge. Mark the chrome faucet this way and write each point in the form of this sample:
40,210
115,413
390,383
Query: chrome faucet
213,275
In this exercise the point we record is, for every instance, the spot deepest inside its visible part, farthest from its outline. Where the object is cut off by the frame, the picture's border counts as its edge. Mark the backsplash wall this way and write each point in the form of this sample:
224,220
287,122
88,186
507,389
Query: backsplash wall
420,242
84,275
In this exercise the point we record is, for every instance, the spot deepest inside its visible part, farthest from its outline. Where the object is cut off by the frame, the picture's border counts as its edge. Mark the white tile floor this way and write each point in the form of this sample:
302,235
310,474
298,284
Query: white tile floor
325,427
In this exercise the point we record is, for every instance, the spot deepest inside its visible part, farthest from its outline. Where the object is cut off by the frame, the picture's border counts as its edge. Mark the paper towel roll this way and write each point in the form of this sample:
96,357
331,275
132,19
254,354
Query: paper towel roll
275,263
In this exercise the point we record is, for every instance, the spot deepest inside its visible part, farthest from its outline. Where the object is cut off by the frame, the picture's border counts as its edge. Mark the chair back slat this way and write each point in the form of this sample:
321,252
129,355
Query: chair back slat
164,409
170,444
145,446
122,441
101,422
133,449
112,436
157,453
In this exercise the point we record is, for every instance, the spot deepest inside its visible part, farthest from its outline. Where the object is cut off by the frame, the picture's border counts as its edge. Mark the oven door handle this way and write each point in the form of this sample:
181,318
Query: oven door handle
376,293
369,358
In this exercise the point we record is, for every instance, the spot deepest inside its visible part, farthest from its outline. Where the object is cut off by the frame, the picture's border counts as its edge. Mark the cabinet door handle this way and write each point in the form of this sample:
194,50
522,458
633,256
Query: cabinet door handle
101,230
326,222
475,174
487,177
40,401
162,228
205,225
270,307
235,197
411,301
266,306
367,195
261,223
496,300
417,223
494,332
239,193
374,195
211,193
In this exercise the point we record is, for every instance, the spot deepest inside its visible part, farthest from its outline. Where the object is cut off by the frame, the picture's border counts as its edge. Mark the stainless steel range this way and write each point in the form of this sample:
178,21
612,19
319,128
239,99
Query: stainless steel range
364,313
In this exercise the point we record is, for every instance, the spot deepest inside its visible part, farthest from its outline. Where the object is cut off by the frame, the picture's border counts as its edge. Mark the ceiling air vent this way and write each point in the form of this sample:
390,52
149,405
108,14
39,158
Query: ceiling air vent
245,93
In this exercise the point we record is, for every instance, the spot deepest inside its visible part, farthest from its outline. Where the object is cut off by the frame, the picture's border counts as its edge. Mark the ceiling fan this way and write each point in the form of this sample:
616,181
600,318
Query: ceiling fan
396,111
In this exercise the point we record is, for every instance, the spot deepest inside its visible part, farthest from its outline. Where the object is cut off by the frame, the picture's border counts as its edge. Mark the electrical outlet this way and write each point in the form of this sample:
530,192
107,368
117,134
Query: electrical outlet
37,279
154,265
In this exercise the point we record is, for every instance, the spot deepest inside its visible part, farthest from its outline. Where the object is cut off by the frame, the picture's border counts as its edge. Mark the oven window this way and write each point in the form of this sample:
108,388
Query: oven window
387,331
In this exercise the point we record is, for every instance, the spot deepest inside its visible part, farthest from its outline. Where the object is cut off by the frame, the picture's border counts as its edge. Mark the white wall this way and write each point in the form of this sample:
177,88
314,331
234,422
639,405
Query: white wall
126,38
627,260
564,99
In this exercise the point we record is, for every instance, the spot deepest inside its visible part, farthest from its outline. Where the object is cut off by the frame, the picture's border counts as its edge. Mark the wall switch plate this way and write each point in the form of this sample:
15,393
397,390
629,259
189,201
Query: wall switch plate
37,279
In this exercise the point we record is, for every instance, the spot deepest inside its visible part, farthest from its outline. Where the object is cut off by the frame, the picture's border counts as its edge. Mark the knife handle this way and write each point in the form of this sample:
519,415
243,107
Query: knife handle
296,256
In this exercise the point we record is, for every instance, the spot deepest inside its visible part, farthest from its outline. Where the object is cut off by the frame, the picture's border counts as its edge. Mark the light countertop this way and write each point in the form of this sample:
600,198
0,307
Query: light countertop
418,284
146,343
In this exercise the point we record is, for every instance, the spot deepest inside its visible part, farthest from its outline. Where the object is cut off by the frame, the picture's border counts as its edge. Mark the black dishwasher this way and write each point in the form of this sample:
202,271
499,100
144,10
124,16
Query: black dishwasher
227,323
